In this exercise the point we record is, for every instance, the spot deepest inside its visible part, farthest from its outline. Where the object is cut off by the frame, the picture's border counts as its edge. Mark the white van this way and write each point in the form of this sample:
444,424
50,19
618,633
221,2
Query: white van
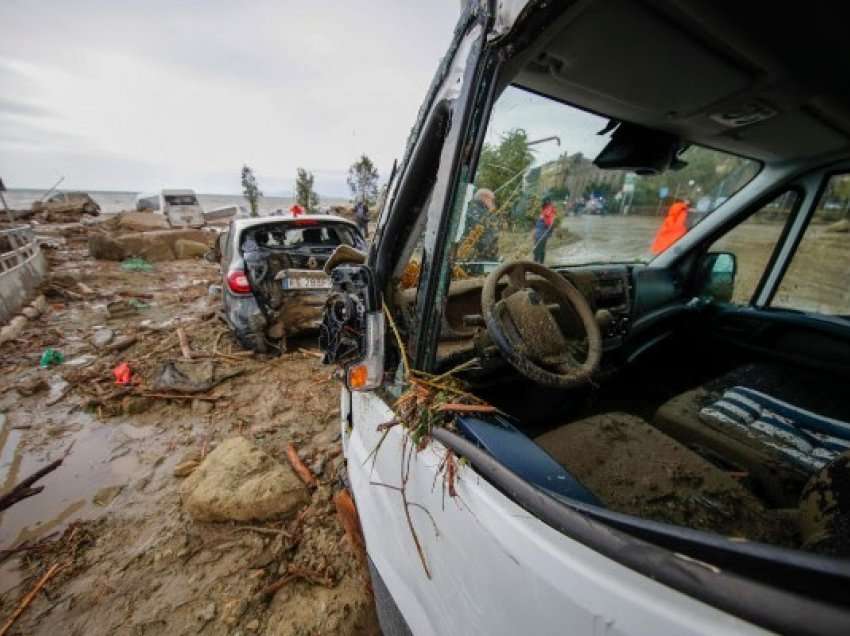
180,207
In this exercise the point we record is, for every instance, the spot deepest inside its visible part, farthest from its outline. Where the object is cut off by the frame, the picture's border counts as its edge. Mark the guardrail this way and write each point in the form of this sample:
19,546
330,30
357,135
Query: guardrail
22,268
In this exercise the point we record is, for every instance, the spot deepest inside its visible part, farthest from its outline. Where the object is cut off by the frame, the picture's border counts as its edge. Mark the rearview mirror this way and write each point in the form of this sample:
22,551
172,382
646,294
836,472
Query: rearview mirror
716,276
352,331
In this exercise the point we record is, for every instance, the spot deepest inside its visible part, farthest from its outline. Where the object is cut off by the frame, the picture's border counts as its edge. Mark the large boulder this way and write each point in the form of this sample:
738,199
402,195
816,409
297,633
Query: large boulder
104,248
184,248
239,482
142,222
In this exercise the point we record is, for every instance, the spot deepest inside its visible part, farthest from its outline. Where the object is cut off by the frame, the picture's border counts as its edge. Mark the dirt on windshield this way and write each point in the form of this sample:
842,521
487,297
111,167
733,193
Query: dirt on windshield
110,536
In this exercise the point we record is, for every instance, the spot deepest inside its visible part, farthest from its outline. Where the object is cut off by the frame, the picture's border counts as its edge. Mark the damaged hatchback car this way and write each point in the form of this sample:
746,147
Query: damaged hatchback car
273,283
633,422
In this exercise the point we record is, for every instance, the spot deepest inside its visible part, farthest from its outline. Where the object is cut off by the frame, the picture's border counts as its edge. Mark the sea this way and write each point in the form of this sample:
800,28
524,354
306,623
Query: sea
111,201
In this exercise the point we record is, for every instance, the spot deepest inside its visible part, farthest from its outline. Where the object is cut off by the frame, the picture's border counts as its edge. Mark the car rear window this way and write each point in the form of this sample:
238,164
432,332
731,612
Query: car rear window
292,236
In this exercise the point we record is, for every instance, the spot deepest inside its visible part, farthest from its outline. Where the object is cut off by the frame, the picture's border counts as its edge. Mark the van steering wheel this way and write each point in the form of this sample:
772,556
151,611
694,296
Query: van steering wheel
530,338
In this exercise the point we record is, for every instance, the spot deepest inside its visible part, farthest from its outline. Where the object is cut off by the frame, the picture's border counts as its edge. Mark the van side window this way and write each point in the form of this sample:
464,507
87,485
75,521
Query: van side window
818,277
752,242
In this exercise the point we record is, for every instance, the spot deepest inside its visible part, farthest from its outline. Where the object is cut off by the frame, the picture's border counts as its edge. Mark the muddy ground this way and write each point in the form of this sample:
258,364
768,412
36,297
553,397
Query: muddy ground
131,560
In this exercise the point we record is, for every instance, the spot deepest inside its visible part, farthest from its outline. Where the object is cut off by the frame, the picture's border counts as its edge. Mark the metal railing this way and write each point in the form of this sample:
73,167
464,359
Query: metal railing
22,247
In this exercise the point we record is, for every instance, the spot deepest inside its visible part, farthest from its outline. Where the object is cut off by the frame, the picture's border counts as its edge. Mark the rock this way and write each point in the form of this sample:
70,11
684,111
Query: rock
31,313
104,248
252,625
142,222
104,496
13,329
40,304
102,337
206,613
232,610
159,245
184,469
189,249
238,481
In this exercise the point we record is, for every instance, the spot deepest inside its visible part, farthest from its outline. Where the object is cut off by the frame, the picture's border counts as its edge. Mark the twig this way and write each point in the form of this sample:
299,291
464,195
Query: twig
298,466
452,407
175,396
184,343
271,531
28,599
399,342
347,513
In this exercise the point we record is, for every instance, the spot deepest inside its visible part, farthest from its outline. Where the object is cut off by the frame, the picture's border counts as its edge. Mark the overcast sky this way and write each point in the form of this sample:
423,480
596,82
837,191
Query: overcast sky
121,95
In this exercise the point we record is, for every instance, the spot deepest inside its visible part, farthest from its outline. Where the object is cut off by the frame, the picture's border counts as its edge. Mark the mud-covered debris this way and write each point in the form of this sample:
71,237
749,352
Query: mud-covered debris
184,469
184,376
238,481
141,222
104,248
102,337
105,496
184,248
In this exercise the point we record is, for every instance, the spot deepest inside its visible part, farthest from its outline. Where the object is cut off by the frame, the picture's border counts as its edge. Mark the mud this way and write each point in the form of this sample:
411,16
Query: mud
134,562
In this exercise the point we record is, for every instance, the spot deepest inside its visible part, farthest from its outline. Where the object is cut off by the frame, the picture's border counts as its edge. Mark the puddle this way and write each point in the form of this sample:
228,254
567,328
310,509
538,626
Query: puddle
69,489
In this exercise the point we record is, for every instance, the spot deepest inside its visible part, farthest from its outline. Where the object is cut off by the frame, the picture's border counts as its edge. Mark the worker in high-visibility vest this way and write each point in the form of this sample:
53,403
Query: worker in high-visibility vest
675,226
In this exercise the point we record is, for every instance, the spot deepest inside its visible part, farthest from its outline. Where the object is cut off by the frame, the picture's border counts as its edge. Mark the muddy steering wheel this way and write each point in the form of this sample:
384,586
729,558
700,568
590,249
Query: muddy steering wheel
528,335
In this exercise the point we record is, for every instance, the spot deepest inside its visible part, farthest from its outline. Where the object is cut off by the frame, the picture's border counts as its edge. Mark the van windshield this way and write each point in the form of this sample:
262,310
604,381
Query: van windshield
181,199
537,194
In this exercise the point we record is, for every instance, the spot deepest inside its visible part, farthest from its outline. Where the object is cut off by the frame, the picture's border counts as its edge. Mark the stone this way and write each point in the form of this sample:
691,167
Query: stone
253,625
104,496
135,405
232,610
206,613
184,469
189,249
104,248
40,304
31,313
239,482
142,222
13,329
102,337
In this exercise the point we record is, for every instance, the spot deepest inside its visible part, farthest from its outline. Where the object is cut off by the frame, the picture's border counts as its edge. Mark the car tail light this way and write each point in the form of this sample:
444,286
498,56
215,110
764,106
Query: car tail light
238,282
302,222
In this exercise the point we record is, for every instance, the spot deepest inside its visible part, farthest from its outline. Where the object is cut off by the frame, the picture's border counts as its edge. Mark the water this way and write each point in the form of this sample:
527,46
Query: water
120,201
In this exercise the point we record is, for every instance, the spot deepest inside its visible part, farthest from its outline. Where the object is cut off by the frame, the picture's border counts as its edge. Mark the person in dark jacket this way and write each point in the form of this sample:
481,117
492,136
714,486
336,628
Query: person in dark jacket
361,217
481,229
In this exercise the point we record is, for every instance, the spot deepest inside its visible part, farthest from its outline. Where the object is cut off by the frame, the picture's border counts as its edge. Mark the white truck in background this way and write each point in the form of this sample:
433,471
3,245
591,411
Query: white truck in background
180,207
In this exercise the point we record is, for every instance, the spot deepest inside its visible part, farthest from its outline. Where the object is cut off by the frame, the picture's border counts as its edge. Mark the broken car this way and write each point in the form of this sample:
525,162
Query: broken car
273,283
630,435
180,207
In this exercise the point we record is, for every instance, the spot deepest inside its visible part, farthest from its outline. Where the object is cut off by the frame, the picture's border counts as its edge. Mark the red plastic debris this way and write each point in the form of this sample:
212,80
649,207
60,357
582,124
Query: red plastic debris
122,373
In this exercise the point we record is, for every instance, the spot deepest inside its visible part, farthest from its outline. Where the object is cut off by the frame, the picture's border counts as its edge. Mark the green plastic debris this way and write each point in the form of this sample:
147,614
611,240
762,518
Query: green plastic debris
51,357
136,265
135,303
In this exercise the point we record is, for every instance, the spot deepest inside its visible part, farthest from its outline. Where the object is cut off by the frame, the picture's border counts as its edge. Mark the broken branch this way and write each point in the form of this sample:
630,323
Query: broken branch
452,407
23,490
298,466
184,343
27,600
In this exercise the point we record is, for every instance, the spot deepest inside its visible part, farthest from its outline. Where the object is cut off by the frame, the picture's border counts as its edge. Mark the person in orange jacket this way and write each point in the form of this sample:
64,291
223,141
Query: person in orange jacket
674,227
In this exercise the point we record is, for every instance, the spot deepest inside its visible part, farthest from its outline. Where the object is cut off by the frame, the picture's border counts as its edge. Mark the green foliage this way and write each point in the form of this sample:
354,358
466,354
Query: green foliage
305,196
250,189
502,164
363,181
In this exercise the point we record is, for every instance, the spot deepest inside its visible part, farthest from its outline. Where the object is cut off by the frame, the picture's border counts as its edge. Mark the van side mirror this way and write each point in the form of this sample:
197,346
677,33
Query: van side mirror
352,331
716,276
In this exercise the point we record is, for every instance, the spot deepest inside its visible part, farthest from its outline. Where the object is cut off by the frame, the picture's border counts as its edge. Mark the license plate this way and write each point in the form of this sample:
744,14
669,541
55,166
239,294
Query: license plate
307,283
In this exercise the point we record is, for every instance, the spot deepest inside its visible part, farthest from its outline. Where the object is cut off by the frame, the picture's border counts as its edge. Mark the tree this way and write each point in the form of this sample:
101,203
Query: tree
363,180
506,162
250,190
305,196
